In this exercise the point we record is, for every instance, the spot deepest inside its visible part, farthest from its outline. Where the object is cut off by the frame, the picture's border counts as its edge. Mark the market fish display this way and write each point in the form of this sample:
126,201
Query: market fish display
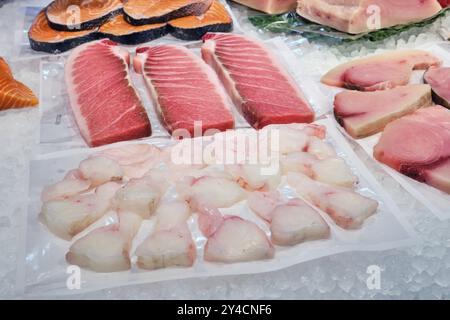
380,71
14,94
365,113
140,12
418,146
170,243
358,16
232,239
263,91
270,6
104,102
291,222
185,91
166,194
215,19
439,80
72,15
118,30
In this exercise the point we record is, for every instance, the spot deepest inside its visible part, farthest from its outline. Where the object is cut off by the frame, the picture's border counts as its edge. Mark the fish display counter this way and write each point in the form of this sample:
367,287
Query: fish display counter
213,149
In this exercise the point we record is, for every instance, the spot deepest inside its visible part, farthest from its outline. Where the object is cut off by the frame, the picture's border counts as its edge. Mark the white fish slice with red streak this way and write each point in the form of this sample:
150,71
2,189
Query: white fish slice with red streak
418,145
252,176
71,185
134,159
141,196
292,137
291,222
71,215
104,102
366,113
174,76
106,249
264,92
380,71
170,244
232,239
100,170
330,170
347,208
357,16
210,191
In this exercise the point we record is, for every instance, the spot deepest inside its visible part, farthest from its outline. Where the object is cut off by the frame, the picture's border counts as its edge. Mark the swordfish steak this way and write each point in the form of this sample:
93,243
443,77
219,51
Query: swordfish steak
439,80
365,113
105,104
270,6
418,145
358,16
380,71
184,89
264,92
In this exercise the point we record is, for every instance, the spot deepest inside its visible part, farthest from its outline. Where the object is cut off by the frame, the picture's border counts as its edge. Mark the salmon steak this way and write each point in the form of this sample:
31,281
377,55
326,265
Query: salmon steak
140,12
418,146
104,102
43,38
13,94
365,113
216,19
359,16
380,71
184,89
76,15
263,91
118,30
439,79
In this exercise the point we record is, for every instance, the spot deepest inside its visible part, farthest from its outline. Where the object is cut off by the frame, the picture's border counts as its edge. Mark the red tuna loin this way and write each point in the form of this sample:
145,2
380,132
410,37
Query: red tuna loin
265,93
105,104
439,79
365,113
418,145
358,16
270,6
381,71
184,89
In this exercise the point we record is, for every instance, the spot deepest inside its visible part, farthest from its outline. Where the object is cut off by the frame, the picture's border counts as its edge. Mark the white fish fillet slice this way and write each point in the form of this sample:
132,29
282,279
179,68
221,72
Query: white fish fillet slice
100,170
251,177
210,191
333,171
106,249
291,222
171,243
64,189
67,217
348,209
141,196
232,239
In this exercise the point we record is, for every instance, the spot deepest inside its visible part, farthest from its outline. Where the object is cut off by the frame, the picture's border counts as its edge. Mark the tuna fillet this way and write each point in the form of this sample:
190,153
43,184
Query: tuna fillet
104,102
140,12
365,113
380,72
439,79
358,16
418,145
264,92
184,89
270,6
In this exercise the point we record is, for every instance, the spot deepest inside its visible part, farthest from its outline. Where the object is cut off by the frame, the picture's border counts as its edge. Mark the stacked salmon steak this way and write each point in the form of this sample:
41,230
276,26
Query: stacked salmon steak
66,24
